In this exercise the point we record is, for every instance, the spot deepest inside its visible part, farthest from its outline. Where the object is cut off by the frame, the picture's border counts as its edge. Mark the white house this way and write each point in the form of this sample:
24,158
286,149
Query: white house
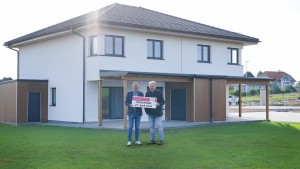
90,62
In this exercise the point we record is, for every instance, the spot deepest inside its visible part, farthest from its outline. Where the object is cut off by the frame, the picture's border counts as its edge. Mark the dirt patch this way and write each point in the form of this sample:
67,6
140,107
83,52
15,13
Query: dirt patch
293,103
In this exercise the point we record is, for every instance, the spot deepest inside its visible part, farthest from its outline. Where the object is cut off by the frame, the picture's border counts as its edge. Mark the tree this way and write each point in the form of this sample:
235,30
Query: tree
248,74
290,89
275,90
298,83
260,72
6,79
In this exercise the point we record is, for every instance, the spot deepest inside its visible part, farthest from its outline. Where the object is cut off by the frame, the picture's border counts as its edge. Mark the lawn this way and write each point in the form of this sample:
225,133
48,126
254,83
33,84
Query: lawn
248,145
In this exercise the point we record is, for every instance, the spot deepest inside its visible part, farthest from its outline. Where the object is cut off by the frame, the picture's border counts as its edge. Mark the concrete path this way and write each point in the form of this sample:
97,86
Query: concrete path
275,116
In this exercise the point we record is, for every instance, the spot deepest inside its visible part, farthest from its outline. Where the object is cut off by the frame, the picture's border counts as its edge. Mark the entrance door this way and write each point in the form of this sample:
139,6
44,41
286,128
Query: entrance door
112,102
34,107
178,104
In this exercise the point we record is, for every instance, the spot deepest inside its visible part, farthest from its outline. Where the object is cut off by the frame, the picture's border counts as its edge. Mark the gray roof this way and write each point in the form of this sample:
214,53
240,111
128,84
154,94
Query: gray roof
137,17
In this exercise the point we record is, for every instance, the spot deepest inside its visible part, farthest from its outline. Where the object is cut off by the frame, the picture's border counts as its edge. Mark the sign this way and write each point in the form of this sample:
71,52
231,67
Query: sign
146,102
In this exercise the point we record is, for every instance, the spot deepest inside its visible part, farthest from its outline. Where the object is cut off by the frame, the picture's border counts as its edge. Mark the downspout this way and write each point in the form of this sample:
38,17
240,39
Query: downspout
83,78
17,59
211,102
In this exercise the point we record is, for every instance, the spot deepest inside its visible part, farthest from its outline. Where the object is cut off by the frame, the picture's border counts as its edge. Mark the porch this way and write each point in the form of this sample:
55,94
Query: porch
205,100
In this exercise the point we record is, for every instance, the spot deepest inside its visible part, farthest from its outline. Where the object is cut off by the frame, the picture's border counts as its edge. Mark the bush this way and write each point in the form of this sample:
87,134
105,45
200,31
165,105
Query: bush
236,93
253,92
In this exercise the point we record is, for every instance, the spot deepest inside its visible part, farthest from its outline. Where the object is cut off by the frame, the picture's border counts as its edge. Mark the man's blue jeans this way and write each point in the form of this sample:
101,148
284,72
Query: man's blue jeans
136,119
155,121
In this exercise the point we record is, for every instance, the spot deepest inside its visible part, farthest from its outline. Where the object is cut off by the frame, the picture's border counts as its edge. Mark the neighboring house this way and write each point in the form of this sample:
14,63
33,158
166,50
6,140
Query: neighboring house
91,61
281,78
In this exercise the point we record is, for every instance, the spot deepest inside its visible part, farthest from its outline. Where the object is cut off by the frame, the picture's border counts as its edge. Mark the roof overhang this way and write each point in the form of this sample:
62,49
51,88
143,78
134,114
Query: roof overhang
176,77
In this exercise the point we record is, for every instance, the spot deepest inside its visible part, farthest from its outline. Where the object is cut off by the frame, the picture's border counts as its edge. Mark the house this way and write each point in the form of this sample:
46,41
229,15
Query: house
281,78
90,62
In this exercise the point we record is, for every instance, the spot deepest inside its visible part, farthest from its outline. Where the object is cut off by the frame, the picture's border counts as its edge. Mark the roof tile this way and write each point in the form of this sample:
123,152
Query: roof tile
125,15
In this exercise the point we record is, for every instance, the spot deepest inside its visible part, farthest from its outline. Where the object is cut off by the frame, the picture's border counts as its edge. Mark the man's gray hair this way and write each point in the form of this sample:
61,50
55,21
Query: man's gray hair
152,82
135,83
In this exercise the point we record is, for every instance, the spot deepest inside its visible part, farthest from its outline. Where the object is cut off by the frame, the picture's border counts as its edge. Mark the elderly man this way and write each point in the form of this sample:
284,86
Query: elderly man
134,113
155,115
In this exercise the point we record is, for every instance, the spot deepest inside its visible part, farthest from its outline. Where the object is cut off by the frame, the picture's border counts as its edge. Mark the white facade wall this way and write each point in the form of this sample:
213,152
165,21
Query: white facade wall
179,55
59,61
219,58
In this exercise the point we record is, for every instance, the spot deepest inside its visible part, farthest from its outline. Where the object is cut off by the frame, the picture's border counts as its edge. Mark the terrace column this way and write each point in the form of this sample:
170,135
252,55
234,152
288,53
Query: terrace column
267,102
100,110
240,100
124,106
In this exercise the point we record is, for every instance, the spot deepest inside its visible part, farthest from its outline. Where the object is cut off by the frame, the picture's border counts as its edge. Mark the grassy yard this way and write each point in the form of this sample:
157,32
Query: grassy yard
255,145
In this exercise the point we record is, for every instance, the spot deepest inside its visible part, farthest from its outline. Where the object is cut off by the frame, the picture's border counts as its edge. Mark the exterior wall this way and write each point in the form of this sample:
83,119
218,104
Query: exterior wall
91,106
202,99
219,99
8,102
219,58
24,88
179,55
59,61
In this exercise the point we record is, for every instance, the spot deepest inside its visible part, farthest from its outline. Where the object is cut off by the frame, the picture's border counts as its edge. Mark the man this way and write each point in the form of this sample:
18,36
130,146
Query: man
134,114
155,115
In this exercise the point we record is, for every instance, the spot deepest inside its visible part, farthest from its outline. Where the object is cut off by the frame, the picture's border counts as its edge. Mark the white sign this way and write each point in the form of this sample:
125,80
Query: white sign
146,102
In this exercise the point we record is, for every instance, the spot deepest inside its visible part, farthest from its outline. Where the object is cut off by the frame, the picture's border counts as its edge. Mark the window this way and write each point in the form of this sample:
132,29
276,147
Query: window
154,49
53,96
233,56
114,45
203,53
94,45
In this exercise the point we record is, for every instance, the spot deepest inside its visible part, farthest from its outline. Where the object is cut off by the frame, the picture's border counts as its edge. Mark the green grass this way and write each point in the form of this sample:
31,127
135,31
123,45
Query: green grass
255,145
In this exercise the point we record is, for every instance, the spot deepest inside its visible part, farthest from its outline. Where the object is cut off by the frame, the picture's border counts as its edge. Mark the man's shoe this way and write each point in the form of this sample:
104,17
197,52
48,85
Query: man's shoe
138,143
151,142
129,143
161,142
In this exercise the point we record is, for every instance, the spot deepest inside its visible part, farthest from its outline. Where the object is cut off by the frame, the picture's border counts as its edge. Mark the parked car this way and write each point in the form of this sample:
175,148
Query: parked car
232,99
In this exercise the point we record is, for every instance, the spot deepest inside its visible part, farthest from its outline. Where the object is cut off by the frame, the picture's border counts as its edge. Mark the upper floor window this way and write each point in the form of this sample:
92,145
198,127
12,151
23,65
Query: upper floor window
203,53
233,56
114,45
154,49
94,45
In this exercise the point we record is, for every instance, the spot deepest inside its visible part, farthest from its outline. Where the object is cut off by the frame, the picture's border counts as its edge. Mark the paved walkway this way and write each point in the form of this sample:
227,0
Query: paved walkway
276,114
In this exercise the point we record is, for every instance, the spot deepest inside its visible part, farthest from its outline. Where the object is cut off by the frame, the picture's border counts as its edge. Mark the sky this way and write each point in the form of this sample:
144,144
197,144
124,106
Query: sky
275,22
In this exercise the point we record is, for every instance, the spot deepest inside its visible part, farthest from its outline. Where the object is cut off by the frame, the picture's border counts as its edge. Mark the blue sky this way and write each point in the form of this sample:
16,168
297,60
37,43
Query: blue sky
275,22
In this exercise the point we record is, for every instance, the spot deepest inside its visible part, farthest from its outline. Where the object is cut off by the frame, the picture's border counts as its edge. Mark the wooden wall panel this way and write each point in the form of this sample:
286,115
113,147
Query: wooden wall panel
8,102
202,99
22,102
219,99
